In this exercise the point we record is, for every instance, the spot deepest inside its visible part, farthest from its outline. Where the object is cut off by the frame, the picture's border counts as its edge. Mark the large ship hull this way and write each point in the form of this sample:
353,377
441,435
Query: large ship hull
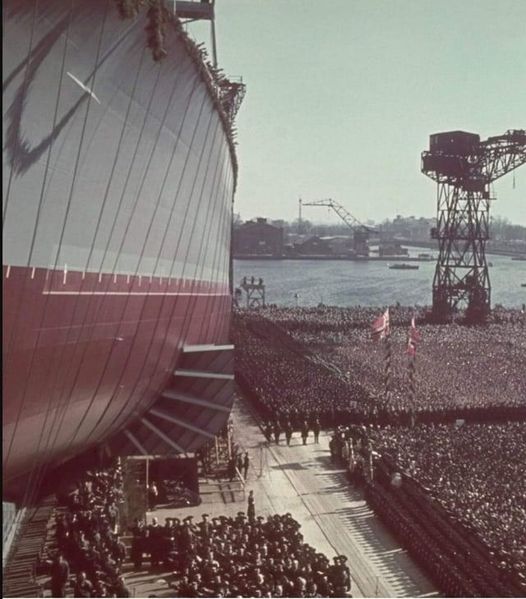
118,184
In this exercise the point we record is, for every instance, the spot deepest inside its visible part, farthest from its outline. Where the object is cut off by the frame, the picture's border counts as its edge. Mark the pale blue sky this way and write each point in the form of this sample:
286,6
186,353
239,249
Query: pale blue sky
343,94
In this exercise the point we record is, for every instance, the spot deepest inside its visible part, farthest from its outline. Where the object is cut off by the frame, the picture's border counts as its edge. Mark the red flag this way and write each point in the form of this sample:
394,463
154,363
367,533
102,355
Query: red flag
381,326
412,339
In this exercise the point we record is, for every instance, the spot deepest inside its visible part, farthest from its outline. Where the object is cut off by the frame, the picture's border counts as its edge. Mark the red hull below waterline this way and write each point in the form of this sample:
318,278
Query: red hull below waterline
84,353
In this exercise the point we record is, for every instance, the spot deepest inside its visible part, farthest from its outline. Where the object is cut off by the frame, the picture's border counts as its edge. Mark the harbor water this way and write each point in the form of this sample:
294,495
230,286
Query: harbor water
369,283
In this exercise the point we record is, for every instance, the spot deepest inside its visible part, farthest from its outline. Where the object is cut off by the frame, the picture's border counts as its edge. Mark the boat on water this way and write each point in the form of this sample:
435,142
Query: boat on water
426,257
403,266
119,174
519,258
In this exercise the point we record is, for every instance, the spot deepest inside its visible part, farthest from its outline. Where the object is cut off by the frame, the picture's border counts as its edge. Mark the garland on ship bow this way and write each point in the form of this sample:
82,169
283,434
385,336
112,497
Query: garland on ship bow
227,95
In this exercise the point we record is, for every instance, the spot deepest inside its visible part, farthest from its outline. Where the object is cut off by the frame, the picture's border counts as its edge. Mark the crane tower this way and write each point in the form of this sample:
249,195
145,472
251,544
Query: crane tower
464,167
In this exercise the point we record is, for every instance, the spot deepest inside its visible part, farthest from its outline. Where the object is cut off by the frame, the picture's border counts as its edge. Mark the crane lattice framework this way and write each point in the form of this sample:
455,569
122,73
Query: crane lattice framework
464,167
361,231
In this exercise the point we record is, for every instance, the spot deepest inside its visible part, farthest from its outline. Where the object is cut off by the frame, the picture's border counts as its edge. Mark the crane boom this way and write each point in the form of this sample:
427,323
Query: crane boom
504,153
360,231
350,220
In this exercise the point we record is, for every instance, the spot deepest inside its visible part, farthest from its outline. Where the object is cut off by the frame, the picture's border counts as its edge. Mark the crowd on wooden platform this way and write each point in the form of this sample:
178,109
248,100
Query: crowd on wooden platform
322,362
242,556
89,554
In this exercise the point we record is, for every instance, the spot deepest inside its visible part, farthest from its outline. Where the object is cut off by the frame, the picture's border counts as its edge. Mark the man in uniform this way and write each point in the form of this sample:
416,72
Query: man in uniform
304,432
59,576
277,432
206,530
316,430
288,431
83,587
340,576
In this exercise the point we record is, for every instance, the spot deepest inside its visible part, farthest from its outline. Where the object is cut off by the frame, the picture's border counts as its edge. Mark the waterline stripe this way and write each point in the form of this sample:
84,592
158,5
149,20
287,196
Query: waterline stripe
130,293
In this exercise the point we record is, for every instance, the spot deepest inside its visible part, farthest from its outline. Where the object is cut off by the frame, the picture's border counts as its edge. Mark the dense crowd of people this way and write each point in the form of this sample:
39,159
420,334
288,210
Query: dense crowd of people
323,361
287,384
476,472
307,365
457,367
89,553
242,556
335,319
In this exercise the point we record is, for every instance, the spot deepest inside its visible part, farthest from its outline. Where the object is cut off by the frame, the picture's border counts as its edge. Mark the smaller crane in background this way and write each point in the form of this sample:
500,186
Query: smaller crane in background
361,232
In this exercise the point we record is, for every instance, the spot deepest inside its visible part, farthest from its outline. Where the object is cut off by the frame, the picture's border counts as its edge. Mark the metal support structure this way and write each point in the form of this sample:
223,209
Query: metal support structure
255,292
464,168
461,274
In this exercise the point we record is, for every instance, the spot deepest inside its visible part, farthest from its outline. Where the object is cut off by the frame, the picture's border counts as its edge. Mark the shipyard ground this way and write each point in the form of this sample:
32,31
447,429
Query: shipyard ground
334,516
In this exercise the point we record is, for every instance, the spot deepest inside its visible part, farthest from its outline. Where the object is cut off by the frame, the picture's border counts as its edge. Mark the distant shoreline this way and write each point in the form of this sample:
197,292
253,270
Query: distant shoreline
494,252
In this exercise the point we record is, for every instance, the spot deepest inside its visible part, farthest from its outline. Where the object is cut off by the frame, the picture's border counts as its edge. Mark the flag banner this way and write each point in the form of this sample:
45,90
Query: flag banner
380,327
413,339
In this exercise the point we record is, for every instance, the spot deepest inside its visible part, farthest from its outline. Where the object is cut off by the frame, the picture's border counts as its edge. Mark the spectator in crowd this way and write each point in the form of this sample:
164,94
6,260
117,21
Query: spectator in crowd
316,428
277,432
153,495
59,576
251,510
288,431
474,471
88,546
83,587
255,557
306,363
304,432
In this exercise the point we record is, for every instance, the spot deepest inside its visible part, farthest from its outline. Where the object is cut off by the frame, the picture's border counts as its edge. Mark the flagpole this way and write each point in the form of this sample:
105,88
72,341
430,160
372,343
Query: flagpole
411,367
387,366
412,340
381,331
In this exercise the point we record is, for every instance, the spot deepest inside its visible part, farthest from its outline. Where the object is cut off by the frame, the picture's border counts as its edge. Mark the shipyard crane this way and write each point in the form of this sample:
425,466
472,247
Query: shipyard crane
360,231
464,167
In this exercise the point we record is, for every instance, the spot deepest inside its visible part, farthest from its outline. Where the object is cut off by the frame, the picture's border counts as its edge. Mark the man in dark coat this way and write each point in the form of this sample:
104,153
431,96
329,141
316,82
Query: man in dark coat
304,432
277,432
251,509
316,430
120,588
206,530
153,496
59,576
83,587
288,431
340,576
